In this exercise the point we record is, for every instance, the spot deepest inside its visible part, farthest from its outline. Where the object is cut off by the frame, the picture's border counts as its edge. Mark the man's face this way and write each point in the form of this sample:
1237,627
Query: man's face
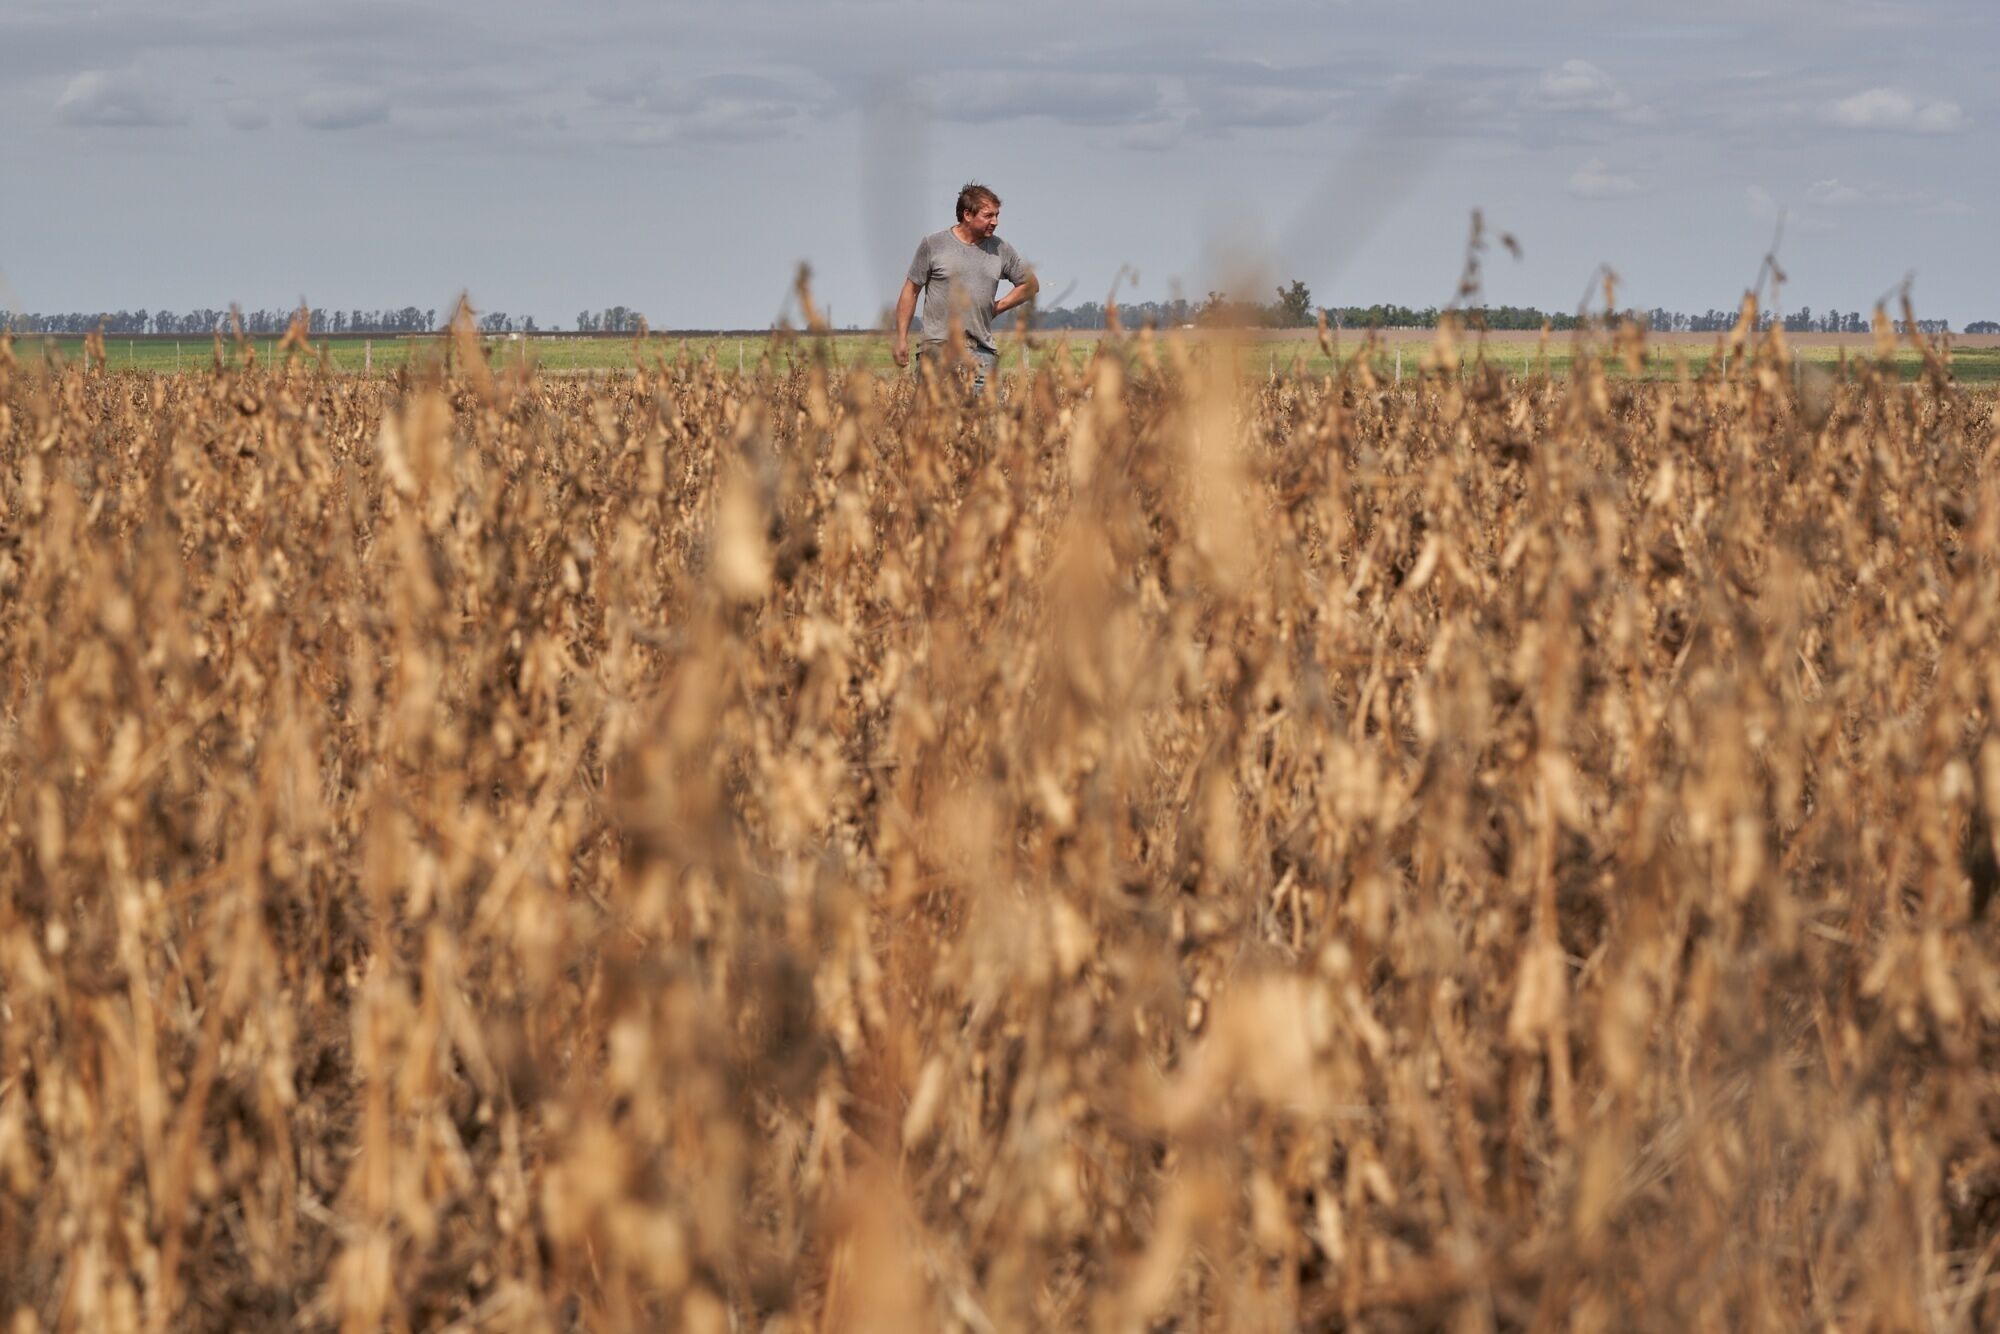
984,222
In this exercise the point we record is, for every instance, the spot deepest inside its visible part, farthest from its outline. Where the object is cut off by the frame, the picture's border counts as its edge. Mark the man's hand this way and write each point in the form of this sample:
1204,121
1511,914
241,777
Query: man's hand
906,308
1020,295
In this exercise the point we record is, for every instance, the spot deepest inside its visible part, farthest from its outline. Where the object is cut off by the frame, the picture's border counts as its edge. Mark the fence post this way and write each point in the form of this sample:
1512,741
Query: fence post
1399,363
367,356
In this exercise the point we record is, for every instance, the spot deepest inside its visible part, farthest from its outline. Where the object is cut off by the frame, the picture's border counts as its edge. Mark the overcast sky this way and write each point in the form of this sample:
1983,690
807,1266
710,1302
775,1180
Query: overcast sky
682,158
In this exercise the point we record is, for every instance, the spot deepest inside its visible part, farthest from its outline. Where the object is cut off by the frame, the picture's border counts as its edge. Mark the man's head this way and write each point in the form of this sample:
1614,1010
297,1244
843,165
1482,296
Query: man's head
978,210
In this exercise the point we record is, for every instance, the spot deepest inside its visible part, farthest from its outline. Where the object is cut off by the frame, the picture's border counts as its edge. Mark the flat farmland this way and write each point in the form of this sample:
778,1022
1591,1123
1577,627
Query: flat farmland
1973,359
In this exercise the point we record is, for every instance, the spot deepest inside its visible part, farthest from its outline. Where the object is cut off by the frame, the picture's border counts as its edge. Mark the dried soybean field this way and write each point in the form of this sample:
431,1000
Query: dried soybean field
1154,850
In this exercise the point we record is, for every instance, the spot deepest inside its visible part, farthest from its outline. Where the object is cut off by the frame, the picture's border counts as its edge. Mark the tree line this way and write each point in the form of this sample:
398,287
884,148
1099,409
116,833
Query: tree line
260,323
1293,308
205,321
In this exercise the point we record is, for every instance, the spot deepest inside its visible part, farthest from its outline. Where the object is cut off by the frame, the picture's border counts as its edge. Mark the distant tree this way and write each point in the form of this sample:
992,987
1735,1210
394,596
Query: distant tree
619,319
1983,327
1219,310
1294,309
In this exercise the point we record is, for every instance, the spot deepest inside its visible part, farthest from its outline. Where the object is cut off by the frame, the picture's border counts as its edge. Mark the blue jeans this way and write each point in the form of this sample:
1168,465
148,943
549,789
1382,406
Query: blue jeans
931,356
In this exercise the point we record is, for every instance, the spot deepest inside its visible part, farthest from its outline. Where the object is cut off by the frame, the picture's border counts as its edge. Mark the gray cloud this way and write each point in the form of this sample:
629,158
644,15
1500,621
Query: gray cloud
1837,193
115,100
646,89
1577,85
1158,135
1248,106
1146,111
1763,206
343,108
244,114
649,108
1072,98
1895,110
529,120
478,90
738,121
330,43
1594,180
1832,192
1577,88
718,122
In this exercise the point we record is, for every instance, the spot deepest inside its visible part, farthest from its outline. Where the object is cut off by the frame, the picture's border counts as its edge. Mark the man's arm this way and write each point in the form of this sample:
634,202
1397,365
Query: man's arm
1023,293
906,307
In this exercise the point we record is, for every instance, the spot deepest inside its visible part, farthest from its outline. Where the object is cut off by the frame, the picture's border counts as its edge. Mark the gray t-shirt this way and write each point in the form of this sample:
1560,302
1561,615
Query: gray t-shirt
952,272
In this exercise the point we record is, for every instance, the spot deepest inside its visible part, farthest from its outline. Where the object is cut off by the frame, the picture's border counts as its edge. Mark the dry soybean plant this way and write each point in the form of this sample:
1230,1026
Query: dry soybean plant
803,851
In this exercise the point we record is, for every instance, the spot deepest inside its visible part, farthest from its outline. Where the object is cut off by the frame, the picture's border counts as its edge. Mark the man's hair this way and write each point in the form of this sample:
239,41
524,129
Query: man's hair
973,198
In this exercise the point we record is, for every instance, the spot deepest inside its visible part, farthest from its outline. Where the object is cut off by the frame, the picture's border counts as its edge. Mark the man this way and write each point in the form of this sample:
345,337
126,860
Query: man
959,271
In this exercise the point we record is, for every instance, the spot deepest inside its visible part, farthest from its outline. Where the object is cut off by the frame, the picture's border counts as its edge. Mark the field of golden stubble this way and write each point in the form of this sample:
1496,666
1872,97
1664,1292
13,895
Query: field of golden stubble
795,853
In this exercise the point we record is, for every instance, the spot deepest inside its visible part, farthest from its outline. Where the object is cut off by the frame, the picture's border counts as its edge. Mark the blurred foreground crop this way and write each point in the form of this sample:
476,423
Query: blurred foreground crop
796,852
